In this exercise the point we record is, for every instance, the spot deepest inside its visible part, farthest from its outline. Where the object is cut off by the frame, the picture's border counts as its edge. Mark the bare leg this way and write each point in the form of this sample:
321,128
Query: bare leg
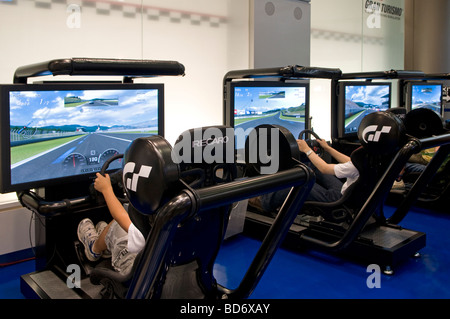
100,244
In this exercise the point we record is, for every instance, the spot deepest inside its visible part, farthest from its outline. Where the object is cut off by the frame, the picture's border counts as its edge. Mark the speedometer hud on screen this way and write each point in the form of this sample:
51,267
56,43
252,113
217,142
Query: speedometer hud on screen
253,106
55,134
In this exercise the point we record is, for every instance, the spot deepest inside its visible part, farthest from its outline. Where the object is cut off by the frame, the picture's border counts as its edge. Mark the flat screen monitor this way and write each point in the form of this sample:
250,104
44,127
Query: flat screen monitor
60,133
356,100
424,95
252,103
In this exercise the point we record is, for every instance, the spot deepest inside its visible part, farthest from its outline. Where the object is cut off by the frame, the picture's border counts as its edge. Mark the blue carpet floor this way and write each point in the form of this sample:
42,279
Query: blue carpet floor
316,275
10,279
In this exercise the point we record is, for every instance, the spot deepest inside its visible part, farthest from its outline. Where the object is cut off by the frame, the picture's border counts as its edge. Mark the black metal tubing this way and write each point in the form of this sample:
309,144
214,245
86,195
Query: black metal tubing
438,76
376,197
286,72
100,67
191,202
273,239
157,245
229,193
38,205
391,74
444,142
434,141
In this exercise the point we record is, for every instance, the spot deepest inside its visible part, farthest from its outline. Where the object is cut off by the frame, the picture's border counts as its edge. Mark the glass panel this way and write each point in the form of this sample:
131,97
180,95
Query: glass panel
357,35
383,35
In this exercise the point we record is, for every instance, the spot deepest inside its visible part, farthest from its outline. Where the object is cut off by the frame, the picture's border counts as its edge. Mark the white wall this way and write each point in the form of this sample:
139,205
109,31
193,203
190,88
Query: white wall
16,227
209,37
280,33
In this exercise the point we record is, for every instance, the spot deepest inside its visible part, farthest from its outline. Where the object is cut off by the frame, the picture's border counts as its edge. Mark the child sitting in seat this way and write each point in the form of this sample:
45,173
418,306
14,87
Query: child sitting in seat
328,186
120,237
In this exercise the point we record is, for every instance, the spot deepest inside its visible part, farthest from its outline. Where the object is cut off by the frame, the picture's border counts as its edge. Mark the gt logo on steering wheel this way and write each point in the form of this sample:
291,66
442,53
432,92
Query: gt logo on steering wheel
131,183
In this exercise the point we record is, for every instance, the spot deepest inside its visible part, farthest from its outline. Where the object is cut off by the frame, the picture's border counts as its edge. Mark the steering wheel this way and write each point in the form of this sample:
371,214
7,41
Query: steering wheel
313,144
116,179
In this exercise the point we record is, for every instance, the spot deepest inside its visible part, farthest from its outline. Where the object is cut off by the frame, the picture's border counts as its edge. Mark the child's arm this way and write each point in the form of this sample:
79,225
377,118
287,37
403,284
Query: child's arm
338,156
118,212
320,164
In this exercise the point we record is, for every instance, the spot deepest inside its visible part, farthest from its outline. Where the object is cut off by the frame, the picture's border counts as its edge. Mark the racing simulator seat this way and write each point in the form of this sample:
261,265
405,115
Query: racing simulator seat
194,173
355,224
431,186
188,227
187,224
371,164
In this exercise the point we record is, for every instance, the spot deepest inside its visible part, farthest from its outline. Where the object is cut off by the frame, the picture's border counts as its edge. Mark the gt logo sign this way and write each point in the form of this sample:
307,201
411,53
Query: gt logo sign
131,183
375,137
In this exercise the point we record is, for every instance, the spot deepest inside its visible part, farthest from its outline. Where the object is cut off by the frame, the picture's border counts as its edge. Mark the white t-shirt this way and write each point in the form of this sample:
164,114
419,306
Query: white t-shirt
348,171
136,240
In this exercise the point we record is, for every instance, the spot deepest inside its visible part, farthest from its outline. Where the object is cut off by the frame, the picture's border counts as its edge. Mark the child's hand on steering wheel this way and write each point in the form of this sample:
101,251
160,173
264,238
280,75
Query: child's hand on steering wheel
102,183
303,146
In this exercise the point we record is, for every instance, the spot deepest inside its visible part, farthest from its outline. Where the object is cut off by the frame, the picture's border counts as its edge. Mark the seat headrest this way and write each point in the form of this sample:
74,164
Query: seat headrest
399,112
205,145
381,133
148,172
423,122
271,148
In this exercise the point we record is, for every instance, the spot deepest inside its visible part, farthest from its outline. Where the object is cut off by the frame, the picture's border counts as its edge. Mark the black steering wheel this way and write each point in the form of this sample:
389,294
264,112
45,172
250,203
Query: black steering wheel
313,144
116,179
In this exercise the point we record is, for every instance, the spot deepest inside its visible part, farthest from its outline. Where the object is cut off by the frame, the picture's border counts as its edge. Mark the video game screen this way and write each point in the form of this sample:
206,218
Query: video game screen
363,99
64,132
256,103
427,96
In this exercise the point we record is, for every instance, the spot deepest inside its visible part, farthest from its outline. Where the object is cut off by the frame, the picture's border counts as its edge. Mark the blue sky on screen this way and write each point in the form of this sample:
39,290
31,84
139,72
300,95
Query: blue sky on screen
371,94
426,93
44,108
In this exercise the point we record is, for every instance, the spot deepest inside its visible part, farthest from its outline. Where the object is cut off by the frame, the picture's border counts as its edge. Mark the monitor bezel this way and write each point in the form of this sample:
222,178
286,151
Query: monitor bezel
6,185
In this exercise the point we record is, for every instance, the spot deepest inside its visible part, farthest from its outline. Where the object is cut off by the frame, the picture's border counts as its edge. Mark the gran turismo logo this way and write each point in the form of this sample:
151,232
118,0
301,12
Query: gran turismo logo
131,183
375,137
